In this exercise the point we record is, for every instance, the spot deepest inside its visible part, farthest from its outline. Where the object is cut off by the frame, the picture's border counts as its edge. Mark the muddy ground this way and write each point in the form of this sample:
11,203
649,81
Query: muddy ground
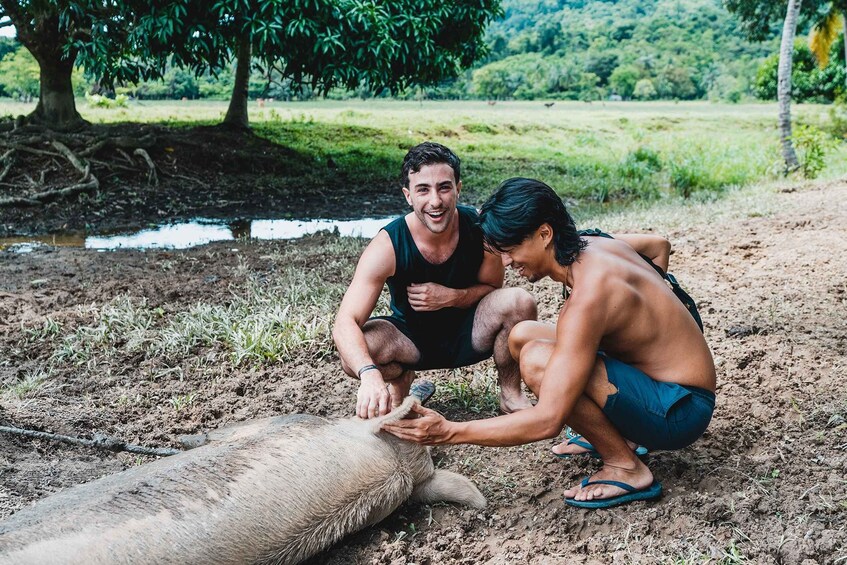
766,484
201,171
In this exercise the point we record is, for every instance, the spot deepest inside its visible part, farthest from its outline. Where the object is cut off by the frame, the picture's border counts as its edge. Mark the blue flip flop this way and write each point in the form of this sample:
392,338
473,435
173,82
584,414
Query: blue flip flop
423,390
632,494
640,450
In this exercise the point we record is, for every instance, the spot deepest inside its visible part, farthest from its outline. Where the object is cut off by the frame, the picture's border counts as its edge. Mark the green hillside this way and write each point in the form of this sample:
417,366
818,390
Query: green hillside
589,49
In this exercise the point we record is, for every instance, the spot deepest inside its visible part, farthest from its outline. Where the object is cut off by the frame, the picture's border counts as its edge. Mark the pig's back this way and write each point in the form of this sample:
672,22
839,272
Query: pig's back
274,491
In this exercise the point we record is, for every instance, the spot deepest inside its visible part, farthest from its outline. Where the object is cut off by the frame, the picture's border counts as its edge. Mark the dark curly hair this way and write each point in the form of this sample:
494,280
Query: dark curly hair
518,207
429,153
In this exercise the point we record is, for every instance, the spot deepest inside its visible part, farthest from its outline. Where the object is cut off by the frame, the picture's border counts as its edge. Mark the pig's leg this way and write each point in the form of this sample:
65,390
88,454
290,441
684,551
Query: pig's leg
449,487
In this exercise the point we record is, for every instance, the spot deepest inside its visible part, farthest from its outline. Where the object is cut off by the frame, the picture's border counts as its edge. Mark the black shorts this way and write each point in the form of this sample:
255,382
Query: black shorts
442,347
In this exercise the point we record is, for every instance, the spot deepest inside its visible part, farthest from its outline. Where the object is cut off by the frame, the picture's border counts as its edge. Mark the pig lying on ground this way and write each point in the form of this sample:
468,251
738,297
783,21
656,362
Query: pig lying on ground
276,490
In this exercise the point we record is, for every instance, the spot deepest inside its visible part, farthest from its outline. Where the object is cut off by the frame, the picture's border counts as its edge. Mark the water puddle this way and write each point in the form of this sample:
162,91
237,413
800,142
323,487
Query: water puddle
198,232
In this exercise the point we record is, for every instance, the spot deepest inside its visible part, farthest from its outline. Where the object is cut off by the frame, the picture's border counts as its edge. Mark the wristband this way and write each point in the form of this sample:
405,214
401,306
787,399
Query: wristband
365,369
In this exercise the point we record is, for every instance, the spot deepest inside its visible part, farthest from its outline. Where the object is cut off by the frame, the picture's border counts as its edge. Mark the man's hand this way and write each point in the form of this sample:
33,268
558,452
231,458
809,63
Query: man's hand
430,428
427,297
373,398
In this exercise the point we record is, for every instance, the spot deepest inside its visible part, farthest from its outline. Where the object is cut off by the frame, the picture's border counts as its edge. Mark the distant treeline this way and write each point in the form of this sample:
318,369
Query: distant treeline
554,49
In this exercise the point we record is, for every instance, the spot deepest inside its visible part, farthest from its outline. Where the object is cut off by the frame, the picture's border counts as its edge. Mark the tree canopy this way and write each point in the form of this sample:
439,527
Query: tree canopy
320,43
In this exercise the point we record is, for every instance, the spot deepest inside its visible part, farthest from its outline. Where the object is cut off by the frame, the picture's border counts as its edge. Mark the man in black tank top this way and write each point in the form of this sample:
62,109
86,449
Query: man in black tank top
447,305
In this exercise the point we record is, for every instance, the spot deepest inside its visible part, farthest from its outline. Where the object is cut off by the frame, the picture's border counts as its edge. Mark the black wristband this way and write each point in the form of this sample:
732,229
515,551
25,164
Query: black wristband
365,369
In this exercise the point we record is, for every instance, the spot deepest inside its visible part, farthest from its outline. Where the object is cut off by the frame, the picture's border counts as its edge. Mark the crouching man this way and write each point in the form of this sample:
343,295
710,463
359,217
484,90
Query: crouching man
626,364
447,305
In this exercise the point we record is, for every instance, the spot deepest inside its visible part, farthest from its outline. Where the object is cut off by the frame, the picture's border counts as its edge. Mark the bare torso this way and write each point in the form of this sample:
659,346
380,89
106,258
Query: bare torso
646,325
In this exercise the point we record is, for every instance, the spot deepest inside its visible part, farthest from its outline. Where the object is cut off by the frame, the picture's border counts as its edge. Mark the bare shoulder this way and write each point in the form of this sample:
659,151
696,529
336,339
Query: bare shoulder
378,258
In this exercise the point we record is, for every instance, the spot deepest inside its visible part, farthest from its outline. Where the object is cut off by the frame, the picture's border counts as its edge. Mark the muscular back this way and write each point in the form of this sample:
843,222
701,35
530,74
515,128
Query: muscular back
645,324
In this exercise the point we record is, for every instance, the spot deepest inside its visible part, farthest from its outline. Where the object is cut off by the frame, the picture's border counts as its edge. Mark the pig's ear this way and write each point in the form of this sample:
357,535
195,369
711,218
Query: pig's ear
449,487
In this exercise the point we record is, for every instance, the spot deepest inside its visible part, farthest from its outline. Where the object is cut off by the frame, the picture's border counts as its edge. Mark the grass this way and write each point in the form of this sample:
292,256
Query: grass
599,153
262,322
478,393
31,383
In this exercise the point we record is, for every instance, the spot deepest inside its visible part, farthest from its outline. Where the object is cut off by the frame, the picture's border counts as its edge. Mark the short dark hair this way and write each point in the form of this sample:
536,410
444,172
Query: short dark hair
429,153
518,207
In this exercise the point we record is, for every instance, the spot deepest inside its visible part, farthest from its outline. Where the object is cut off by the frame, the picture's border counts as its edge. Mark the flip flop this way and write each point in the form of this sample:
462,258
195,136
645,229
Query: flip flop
423,390
640,450
632,494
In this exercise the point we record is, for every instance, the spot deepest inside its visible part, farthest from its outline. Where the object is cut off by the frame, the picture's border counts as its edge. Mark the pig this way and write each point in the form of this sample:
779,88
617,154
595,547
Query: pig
275,490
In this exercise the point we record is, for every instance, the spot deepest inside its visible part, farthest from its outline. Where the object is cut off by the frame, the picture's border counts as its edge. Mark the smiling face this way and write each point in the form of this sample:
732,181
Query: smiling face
530,258
433,194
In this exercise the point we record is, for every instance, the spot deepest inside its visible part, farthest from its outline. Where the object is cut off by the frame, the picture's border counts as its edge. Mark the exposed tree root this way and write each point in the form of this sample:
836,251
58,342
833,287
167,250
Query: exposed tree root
31,151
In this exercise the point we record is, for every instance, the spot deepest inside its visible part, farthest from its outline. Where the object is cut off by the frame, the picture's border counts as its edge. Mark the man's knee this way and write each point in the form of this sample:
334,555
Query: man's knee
534,357
387,345
521,334
514,305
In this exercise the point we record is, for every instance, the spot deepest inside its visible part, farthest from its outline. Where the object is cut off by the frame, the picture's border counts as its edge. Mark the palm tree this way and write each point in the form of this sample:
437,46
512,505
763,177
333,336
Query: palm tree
825,31
783,85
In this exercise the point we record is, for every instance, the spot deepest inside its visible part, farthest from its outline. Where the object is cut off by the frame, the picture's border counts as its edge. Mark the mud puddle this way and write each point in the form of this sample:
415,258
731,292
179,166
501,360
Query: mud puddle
197,232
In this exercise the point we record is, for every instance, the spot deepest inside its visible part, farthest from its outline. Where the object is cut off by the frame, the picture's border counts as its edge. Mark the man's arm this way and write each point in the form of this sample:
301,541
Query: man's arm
657,248
426,297
375,266
578,334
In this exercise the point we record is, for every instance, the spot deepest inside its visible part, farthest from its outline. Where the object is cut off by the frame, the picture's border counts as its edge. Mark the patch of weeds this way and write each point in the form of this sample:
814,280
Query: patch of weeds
837,123
31,382
687,176
49,328
479,395
812,145
732,555
640,163
180,402
264,321
480,128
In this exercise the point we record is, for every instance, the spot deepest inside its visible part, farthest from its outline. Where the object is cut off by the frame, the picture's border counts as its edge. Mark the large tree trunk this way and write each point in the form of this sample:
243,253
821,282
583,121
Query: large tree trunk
236,114
783,85
45,40
56,107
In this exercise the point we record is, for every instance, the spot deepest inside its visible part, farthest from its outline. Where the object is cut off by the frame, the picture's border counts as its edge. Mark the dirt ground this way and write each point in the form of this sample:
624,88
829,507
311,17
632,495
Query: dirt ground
202,171
766,484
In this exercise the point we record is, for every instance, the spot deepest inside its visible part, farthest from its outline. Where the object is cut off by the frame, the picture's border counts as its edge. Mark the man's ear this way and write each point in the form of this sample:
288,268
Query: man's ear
408,195
458,188
545,232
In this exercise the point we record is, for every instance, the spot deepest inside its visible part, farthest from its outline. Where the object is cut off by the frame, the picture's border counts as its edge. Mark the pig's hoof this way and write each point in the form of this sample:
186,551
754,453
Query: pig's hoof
423,390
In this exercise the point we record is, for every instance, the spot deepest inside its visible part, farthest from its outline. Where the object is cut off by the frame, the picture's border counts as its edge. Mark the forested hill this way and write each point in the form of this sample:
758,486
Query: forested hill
589,49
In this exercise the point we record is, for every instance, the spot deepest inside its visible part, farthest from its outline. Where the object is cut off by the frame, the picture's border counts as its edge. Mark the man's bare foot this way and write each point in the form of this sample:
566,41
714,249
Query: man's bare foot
639,477
572,446
513,403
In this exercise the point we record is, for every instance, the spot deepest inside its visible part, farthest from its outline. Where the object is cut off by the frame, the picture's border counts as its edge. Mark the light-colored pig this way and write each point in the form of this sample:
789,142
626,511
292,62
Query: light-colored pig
276,490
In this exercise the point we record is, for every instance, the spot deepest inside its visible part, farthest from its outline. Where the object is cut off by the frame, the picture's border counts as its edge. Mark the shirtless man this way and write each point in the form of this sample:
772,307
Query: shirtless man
625,364
447,305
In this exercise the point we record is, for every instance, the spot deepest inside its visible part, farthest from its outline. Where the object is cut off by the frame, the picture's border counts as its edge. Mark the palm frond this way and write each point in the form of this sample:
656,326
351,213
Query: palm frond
824,33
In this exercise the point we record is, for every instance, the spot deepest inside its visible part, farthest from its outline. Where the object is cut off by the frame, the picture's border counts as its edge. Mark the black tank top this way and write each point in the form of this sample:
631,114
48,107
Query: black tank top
461,270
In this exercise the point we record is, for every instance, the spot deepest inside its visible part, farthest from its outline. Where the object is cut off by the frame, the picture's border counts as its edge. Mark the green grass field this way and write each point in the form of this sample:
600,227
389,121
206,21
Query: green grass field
599,152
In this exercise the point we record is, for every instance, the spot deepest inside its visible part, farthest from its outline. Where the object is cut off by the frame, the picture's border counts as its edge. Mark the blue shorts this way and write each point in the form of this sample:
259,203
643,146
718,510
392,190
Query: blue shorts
655,414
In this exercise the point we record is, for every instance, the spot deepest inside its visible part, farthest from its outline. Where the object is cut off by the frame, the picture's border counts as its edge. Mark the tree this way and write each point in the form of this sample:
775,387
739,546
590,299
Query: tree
809,81
319,44
45,35
644,89
825,31
315,43
757,17
783,85
623,80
